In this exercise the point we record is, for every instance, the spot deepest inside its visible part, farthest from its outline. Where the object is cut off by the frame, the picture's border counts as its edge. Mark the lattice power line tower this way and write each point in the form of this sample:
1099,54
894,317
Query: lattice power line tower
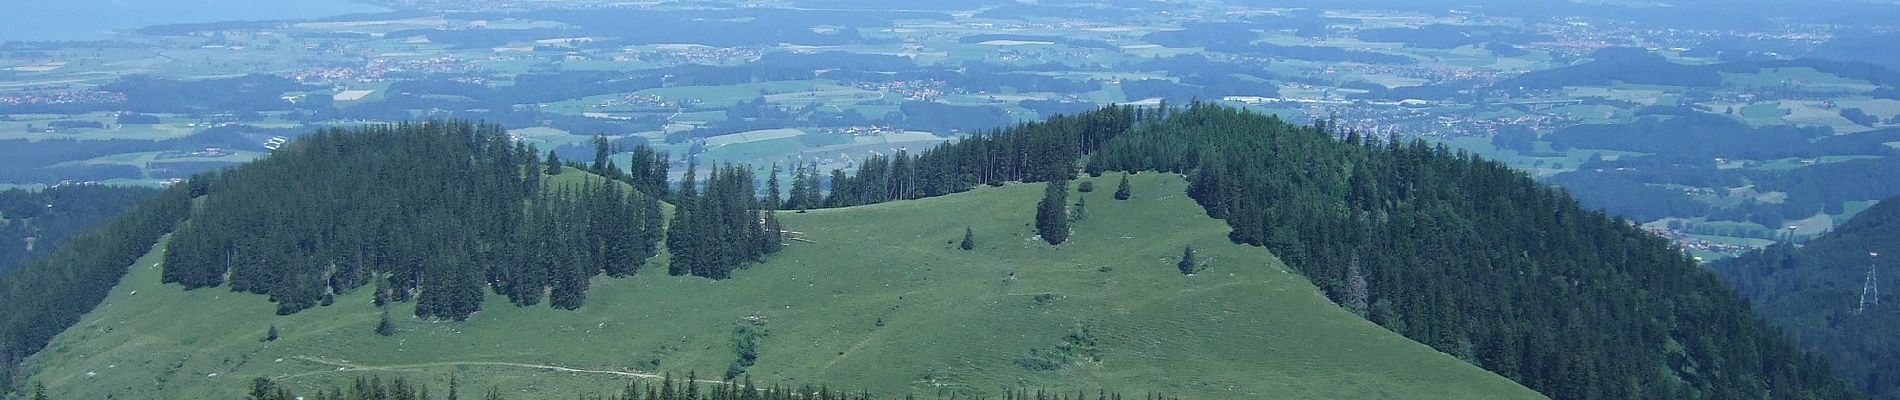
1870,288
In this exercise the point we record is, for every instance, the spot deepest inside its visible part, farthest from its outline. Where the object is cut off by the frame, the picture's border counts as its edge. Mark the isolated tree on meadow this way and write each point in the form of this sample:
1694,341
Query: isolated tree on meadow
272,336
1052,213
1121,191
385,327
261,389
969,239
1187,264
554,163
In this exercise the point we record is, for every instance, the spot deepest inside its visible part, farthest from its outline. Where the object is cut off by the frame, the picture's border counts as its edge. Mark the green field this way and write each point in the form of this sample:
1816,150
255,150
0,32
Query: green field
874,297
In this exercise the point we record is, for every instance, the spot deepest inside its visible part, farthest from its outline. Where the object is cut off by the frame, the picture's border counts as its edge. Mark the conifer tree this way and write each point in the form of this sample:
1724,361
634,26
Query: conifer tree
1052,213
1356,291
1187,264
532,160
773,201
1121,190
682,236
39,391
652,227
796,199
384,326
272,335
554,163
261,389
969,239
773,236
602,150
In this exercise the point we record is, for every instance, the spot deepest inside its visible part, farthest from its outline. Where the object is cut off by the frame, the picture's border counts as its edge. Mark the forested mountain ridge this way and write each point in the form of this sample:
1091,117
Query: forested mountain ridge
1815,291
1463,254
879,298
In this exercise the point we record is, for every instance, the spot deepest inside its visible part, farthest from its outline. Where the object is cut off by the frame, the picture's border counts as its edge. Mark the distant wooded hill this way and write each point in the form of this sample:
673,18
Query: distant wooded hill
1814,292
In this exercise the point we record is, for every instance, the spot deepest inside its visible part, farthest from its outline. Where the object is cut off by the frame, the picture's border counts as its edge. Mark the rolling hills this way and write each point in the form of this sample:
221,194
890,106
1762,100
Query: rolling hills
875,297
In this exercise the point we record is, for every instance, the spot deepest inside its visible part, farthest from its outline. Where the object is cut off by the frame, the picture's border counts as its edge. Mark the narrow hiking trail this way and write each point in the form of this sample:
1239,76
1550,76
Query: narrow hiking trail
343,366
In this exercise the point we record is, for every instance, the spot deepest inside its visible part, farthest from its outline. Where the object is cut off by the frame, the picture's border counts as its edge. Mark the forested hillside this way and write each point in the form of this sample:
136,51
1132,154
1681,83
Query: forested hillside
878,298
33,223
1815,292
438,213
47,295
1466,255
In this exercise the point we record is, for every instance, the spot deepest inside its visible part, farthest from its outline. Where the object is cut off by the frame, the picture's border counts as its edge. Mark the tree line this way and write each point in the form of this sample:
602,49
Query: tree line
434,212
666,388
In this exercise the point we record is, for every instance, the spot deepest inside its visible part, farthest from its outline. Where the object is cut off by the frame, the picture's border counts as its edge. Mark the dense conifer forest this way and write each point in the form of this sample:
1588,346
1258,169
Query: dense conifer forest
1460,253
33,223
1816,291
441,211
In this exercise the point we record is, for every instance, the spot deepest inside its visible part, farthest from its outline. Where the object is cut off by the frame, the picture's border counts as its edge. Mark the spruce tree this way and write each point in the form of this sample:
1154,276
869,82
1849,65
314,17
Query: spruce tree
1187,264
602,150
773,200
39,391
531,159
796,200
969,239
1080,210
1121,191
774,234
554,163
272,335
261,389
1052,213
385,327
652,227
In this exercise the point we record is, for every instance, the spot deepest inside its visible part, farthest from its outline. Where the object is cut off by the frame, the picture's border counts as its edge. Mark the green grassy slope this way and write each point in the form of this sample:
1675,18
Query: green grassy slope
875,297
